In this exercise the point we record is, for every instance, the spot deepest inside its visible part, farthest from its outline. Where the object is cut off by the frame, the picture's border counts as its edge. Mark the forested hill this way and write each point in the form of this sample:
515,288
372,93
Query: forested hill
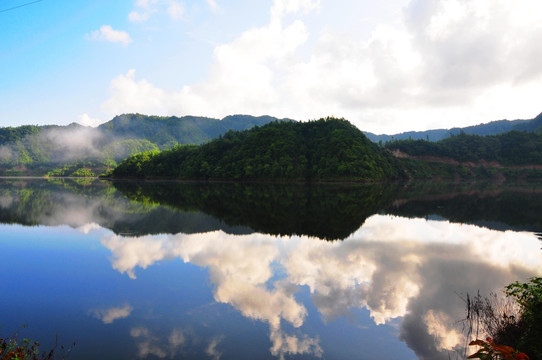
84,151
326,149
491,128
168,131
515,148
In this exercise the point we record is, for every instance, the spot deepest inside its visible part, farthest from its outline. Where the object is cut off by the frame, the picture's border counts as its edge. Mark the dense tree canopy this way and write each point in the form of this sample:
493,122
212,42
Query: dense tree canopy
512,148
324,149
12,134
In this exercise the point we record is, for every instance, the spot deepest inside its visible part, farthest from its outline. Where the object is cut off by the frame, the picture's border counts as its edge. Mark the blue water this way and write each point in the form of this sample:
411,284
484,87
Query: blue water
391,290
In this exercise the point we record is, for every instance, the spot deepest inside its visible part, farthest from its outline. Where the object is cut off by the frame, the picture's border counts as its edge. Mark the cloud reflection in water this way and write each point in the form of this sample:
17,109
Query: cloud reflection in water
108,316
395,267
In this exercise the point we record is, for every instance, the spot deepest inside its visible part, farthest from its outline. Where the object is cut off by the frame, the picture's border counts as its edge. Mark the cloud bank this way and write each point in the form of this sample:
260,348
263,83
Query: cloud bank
428,64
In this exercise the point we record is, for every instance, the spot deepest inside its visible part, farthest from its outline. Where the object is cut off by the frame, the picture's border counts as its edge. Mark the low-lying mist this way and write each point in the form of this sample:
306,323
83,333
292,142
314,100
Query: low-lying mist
74,143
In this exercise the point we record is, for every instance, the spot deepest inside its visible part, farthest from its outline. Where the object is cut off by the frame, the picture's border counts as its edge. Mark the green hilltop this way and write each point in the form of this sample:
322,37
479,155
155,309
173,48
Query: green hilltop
325,149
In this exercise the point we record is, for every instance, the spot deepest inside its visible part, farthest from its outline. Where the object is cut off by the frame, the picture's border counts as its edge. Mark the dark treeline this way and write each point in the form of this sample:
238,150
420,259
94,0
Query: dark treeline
12,134
325,149
325,211
508,149
495,205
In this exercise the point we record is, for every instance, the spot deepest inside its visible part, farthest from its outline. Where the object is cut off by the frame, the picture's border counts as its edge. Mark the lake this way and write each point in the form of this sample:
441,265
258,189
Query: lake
179,270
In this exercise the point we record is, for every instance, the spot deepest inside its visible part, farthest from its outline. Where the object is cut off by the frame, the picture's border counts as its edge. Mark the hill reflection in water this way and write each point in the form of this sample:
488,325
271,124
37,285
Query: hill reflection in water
325,211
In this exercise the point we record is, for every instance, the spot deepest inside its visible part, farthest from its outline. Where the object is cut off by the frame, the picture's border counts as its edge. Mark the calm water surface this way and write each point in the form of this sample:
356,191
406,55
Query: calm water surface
166,270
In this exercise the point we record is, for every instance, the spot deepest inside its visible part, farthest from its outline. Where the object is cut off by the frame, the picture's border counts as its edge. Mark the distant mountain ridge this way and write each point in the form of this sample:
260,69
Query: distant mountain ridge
63,150
491,128
168,131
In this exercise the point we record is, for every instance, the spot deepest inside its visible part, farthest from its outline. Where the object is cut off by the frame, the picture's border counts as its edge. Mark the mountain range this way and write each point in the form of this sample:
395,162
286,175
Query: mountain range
66,150
491,128
74,149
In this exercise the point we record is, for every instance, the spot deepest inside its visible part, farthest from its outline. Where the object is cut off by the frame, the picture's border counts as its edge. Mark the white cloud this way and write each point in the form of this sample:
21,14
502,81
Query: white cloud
242,77
129,95
281,8
107,33
72,142
138,17
86,120
108,316
150,344
284,345
435,64
88,227
239,269
441,326
133,252
147,343
5,153
212,350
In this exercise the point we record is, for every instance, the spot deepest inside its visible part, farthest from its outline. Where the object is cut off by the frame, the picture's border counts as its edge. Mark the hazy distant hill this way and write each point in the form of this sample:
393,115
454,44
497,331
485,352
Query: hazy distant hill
168,131
491,128
64,150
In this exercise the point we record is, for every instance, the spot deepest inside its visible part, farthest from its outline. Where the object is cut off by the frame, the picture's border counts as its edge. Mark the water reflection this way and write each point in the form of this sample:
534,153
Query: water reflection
394,267
58,202
108,316
404,259
514,206
323,211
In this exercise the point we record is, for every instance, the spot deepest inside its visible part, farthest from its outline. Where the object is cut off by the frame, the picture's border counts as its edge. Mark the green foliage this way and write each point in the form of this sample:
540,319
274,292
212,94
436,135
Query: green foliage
510,149
324,149
529,297
515,321
83,172
13,134
119,150
78,169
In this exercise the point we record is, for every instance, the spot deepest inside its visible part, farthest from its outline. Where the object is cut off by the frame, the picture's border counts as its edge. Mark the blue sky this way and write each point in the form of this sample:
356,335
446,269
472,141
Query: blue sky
387,66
